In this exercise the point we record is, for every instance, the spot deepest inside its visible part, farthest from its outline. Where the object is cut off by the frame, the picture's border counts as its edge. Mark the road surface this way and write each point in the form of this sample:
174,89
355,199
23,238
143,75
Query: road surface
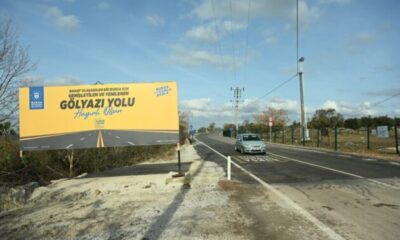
98,139
356,197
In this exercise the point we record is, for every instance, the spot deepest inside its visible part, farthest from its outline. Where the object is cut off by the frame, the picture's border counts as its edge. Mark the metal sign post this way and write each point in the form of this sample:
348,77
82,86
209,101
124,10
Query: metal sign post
270,124
178,150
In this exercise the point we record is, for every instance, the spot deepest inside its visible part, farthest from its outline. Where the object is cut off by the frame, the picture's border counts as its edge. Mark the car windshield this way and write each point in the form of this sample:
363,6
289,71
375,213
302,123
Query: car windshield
251,138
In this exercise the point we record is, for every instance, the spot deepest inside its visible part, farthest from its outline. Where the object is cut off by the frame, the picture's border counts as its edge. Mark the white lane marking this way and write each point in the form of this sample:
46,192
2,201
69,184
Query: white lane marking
131,143
82,138
369,159
339,171
166,141
31,147
117,137
345,156
328,231
69,146
395,163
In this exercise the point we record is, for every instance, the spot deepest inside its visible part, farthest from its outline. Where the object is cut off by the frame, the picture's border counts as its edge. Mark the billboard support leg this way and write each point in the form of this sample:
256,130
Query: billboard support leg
178,150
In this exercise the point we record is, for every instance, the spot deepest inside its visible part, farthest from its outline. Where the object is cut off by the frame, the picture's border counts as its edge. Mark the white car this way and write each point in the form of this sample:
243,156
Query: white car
250,143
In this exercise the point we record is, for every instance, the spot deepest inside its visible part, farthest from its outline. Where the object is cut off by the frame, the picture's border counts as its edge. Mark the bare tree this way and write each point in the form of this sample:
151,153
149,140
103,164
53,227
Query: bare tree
279,117
14,62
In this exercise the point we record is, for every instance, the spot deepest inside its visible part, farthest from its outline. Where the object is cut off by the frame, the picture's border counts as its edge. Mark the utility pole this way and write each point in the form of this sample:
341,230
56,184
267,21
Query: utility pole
237,94
302,123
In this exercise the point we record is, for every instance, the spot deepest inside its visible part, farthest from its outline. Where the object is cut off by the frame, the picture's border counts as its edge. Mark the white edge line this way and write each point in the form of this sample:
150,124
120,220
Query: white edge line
331,233
338,171
131,143
70,146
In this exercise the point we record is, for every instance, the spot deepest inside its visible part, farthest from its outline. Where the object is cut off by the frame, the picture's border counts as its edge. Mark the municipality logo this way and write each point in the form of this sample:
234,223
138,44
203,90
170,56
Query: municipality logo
162,91
36,98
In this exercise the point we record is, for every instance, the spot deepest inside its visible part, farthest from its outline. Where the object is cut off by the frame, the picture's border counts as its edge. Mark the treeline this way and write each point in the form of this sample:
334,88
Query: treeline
43,166
322,118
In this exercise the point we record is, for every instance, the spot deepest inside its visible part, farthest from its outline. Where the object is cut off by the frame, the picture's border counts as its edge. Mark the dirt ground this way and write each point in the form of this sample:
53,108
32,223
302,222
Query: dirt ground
144,202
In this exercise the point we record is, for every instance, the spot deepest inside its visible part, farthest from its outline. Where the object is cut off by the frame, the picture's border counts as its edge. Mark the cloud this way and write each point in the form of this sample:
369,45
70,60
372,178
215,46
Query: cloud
205,108
103,5
61,21
270,36
33,80
210,111
155,20
214,31
203,34
359,41
282,9
188,57
340,2
386,68
350,109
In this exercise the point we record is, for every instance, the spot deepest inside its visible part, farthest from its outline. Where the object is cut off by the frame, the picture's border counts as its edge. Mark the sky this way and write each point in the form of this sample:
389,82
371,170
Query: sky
351,50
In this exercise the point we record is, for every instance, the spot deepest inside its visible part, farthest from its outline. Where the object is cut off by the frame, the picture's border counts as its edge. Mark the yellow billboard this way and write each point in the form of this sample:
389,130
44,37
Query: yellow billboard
90,116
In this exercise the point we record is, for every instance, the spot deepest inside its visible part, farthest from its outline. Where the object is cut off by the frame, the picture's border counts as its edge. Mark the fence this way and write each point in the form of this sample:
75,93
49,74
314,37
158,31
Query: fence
340,139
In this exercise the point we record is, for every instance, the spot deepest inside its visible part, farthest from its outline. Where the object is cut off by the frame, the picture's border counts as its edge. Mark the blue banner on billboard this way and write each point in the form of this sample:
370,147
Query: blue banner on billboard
36,98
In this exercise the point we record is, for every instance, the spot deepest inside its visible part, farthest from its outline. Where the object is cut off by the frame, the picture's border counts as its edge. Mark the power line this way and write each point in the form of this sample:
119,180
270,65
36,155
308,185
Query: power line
385,100
376,104
218,37
233,44
247,39
297,34
277,87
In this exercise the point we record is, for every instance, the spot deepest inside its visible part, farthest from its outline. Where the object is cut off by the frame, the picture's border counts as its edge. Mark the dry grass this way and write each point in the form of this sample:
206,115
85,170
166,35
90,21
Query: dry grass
354,142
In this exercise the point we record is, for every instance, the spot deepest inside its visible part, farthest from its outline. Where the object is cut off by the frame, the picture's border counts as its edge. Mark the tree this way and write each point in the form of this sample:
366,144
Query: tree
279,117
14,62
202,130
183,126
353,123
327,118
228,126
366,121
383,121
6,130
211,127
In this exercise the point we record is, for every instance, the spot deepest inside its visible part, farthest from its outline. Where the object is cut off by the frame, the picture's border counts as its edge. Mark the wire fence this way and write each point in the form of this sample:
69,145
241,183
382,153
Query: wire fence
362,140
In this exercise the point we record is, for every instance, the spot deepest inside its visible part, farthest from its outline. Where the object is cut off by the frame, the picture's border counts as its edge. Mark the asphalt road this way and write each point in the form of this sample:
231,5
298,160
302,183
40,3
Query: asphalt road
97,139
358,197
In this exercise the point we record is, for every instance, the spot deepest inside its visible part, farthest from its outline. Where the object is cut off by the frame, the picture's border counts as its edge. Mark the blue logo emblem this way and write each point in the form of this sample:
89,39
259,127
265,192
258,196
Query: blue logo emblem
36,98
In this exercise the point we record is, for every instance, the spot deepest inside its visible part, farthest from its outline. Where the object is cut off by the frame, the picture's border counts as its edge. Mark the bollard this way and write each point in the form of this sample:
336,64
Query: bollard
336,140
368,139
229,168
318,137
396,139
292,135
